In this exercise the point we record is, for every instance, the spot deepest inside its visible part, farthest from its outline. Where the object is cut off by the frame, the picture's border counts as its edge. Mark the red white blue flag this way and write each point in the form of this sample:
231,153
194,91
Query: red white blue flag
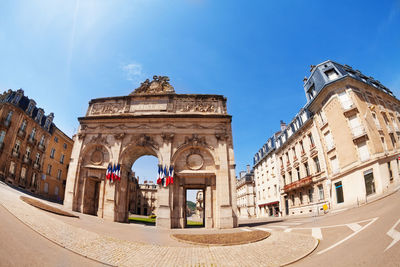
108,172
171,174
159,174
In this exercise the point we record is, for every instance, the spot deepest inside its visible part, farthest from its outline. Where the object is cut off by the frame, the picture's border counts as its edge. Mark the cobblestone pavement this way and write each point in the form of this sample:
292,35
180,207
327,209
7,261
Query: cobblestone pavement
276,250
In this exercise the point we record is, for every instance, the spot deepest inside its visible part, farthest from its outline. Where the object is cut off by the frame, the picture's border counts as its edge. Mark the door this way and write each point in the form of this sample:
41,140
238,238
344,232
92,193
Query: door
339,192
287,205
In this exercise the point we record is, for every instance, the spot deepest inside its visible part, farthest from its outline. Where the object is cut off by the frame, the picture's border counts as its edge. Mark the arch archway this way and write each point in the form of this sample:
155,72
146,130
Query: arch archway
190,135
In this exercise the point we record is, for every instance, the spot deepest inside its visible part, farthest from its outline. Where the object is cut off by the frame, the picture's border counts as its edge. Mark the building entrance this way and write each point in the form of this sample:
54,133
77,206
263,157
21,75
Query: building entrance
195,208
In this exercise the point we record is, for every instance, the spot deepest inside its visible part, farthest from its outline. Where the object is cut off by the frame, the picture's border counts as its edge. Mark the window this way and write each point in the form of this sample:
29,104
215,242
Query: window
28,152
310,194
378,126
334,165
39,116
23,125
37,160
356,128
331,74
345,100
339,192
12,167
33,182
369,182
317,166
322,117
47,124
56,190
321,192
301,197
363,151
311,92
42,140
384,144
393,140
298,173
23,172
62,159
56,139
390,171
312,144
49,169
284,180
52,152
17,146
385,119
275,191
65,146
2,135
329,140
302,147
306,169
33,133
292,199
290,177
9,115
30,108
46,187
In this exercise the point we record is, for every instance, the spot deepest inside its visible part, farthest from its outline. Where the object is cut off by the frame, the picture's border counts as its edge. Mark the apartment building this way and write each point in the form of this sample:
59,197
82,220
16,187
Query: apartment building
342,148
25,135
245,194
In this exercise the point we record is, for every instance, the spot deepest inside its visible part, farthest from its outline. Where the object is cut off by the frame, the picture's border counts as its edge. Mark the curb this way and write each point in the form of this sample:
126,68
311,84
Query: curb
305,255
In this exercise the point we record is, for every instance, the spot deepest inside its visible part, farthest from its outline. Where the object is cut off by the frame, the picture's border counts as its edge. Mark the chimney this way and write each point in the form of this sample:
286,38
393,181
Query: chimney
248,168
283,126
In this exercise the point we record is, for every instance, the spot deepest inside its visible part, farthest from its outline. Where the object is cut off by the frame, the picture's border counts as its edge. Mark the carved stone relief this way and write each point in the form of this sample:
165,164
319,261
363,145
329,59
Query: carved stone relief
107,108
194,160
97,156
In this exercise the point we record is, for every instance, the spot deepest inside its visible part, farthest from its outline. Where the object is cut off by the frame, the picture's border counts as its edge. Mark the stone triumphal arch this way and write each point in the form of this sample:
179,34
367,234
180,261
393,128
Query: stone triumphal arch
191,133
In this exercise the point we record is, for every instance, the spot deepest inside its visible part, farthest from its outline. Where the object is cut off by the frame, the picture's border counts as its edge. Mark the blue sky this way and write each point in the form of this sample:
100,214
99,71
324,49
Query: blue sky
256,53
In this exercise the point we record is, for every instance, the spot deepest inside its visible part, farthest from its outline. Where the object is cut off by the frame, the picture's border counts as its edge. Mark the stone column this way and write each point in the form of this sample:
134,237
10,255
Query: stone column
73,171
164,209
224,211
208,207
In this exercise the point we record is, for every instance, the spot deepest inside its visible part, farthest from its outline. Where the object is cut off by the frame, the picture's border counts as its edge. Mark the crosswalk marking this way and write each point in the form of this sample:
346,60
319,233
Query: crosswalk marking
279,226
264,229
316,233
393,234
354,226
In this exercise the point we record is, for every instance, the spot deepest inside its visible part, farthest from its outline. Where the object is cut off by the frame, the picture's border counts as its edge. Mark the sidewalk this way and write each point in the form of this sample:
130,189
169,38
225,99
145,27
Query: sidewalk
135,245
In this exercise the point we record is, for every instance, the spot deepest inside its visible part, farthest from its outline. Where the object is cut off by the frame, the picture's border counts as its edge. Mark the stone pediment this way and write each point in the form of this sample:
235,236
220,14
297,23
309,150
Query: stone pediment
159,85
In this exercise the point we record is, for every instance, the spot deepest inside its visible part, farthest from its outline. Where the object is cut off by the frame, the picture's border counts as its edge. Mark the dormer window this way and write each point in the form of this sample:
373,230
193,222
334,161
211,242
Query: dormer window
47,124
39,116
17,98
311,92
30,108
331,74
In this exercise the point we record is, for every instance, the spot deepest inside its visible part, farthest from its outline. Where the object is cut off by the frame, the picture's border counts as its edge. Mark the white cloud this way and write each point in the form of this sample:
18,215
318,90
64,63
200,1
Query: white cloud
134,72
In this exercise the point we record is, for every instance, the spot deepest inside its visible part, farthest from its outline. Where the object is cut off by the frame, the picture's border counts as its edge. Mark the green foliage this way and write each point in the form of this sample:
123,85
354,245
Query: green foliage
191,205
193,223
153,216
150,221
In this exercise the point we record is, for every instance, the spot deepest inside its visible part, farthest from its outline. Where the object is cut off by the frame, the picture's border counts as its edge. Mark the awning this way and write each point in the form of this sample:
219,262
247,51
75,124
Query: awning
268,204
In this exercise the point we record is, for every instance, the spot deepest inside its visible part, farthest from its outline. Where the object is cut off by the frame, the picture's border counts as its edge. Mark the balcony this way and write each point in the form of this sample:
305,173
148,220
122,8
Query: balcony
15,154
32,140
312,147
36,166
295,158
297,184
349,108
390,128
21,133
27,160
41,147
359,133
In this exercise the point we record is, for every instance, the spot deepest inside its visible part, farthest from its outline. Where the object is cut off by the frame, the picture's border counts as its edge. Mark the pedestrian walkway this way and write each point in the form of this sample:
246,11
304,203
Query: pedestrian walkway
278,249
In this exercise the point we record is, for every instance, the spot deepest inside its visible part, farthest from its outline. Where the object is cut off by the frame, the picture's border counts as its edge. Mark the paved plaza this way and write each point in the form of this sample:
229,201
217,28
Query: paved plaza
133,245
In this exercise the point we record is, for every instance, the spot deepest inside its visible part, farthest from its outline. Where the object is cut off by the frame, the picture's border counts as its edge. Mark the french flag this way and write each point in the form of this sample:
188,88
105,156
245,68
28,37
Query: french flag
118,172
171,174
113,173
108,172
164,179
159,174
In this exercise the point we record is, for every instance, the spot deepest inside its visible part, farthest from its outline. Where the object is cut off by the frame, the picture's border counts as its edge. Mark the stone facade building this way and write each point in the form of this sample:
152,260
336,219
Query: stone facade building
342,148
147,199
27,147
191,133
245,191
